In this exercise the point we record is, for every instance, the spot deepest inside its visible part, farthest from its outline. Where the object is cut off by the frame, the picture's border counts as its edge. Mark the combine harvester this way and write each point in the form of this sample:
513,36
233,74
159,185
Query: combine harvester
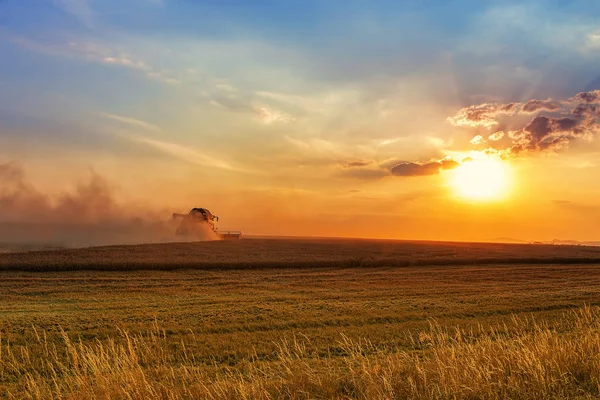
196,222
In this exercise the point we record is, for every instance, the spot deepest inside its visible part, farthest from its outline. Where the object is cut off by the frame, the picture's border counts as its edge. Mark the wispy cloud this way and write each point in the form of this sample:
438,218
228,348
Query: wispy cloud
132,122
576,206
162,77
364,173
97,53
186,154
269,115
125,62
593,41
81,9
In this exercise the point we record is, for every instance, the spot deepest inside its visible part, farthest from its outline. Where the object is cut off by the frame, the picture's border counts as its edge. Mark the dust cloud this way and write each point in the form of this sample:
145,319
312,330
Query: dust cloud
87,215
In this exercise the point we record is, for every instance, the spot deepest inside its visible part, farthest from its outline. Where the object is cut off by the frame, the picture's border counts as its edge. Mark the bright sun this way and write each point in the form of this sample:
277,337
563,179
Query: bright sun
481,179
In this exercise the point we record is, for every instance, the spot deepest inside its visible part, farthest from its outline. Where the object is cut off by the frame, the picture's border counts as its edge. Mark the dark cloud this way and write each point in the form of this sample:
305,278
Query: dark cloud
533,106
586,110
587,97
546,133
422,169
541,127
352,164
360,169
364,173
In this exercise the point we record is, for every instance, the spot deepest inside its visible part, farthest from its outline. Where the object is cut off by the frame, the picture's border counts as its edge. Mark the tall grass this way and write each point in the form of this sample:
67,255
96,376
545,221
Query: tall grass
521,359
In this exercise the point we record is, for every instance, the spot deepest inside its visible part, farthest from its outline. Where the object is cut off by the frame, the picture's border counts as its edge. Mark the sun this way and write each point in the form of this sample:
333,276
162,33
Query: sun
485,179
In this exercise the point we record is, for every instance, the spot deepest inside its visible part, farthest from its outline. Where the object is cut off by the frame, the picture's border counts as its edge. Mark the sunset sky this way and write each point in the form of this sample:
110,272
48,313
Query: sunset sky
335,118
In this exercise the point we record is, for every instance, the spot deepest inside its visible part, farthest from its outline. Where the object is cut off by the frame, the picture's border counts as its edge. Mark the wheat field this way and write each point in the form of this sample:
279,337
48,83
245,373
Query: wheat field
293,253
347,331
522,359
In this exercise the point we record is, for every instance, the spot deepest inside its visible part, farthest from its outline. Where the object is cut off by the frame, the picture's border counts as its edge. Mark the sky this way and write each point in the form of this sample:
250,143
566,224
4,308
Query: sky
321,118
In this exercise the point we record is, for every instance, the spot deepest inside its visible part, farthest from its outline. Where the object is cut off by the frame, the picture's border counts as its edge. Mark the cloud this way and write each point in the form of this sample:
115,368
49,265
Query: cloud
546,133
422,169
494,137
361,169
387,142
554,125
533,106
540,127
269,115
132,122
486,115
81,9
482,115
364,173
568,120
186,154
162,77
586,110
322,150
351,164
593,41
477,140
125,62
128,62
591,97
96,53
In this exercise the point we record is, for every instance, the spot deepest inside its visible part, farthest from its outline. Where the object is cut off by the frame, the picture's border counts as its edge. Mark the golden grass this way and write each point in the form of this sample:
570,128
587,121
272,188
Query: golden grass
521,359
501,331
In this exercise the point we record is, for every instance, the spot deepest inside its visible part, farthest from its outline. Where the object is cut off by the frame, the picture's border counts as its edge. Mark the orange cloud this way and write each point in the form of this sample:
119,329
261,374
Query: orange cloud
477,140
482,115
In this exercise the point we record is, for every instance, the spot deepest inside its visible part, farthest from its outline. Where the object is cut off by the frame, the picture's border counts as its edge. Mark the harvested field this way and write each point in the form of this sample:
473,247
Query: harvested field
294,253
299,333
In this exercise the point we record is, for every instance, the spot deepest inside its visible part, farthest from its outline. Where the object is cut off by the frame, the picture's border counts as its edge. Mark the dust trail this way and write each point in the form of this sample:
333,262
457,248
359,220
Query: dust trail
87,215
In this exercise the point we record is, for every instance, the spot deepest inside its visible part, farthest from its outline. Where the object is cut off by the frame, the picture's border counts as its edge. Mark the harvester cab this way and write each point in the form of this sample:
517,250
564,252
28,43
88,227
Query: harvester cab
193,222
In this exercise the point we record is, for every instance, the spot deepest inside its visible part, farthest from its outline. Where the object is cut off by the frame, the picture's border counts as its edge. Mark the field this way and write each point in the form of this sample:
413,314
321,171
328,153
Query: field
301,319
293,253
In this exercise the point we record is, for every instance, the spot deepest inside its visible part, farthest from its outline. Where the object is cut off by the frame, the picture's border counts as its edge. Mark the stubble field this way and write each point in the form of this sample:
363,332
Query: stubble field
301,319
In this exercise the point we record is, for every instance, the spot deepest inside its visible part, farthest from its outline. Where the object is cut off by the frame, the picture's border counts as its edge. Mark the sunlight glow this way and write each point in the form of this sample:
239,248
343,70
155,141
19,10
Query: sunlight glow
481,179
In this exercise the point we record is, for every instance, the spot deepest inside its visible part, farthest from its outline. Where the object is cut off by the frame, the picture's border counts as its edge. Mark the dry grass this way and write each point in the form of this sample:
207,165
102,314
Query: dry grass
522,359
501,331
